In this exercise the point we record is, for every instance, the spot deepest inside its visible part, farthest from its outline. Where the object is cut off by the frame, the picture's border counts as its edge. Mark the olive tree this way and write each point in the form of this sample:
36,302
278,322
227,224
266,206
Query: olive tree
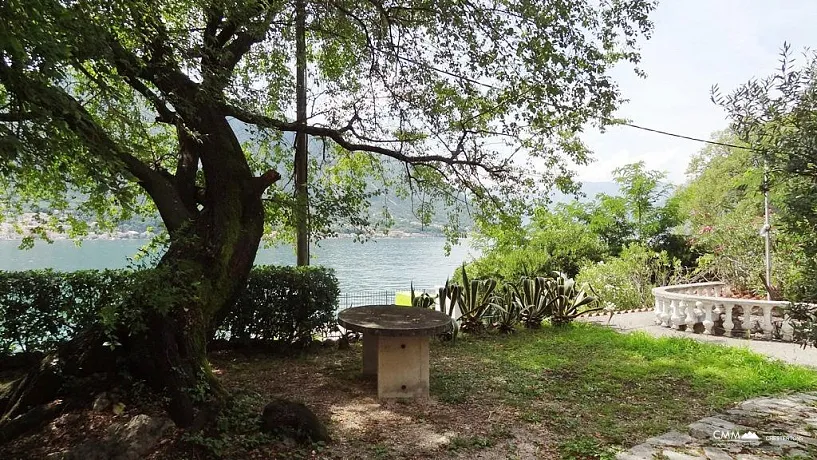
777,117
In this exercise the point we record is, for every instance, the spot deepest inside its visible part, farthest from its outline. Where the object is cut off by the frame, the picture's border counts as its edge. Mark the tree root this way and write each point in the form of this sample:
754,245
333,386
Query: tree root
70,374
33,419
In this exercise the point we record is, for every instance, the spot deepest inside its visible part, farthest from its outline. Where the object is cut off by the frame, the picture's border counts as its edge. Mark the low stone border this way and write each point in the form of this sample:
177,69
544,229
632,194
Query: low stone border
618,312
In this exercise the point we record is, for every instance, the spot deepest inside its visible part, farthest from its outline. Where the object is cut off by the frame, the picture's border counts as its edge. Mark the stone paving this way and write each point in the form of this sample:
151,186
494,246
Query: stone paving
783,427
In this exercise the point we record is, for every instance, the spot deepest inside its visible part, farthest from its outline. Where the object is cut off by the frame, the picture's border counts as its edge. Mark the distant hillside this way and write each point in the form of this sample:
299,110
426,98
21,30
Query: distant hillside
404,213
590,190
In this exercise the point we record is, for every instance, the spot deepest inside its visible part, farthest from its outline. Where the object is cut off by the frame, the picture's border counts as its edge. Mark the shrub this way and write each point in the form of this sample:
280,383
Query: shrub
475,302
510,266
552,241
626,282
506,313
532,300
40,309
556,298
612,281
803,318
284,305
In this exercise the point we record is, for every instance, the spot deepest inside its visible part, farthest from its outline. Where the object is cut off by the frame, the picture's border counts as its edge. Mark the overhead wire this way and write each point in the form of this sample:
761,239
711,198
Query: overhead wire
696,139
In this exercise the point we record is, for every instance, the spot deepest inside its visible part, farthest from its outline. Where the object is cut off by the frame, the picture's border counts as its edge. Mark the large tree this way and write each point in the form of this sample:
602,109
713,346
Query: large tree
136,105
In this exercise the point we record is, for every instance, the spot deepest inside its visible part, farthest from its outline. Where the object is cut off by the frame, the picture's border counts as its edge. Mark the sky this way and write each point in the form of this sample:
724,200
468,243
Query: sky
695,44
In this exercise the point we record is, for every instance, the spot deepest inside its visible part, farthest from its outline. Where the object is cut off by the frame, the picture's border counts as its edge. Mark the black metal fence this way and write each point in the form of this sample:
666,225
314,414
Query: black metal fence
370,297
373,297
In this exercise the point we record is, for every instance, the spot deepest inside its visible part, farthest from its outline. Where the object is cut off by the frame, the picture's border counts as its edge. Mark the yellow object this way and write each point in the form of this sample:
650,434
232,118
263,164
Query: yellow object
402,299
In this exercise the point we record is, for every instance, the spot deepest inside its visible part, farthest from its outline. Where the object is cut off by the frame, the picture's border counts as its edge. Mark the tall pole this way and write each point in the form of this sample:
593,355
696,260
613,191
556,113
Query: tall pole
301,152
767,231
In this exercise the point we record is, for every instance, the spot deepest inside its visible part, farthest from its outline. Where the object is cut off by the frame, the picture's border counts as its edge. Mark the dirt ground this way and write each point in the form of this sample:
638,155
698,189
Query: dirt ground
363,427
331,384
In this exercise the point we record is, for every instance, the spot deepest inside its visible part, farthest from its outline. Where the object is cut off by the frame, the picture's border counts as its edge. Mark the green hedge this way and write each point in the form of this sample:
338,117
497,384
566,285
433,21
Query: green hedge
39,309
282,304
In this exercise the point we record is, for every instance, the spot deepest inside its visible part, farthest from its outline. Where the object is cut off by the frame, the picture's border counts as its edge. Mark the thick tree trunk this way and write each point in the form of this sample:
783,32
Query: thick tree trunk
171,355
204,270
202,273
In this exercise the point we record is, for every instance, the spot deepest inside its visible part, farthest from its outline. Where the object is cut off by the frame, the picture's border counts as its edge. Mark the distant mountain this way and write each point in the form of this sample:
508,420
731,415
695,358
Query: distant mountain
590,190
404,214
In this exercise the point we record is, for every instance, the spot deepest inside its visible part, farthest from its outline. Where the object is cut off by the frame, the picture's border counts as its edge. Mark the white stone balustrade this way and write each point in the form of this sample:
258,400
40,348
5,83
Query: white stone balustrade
684,306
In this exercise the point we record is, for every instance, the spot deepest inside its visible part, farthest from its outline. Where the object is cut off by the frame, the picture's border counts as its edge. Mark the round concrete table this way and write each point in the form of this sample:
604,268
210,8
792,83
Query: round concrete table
395,345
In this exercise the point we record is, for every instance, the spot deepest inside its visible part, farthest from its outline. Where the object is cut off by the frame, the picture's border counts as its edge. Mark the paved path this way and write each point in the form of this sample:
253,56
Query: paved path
645,321
757,429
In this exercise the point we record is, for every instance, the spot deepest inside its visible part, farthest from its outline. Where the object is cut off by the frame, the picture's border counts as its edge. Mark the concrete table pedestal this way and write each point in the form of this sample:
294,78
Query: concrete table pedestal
395,345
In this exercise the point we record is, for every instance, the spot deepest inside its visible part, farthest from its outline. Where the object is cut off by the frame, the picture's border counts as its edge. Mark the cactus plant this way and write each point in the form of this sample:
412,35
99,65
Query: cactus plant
566,300
532,300
475,302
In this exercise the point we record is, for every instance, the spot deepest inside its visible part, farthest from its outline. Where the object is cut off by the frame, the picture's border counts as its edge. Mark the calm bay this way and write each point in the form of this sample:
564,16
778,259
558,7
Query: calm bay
383,264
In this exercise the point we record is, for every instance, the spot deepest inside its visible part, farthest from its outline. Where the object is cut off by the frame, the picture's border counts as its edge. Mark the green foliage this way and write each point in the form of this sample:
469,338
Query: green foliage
579,236
506,313
448,296
447,299
642,189
583,448
475,302
90,108
41,309
775,115
637,215
803,319
284,305
555,298
458,443
552,241
532,300
626,282
509,265
236,429
607,217
424,300
724,204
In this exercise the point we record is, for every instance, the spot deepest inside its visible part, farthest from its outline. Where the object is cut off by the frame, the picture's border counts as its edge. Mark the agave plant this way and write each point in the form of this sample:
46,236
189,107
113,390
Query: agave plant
505,312
532,300
423,300
566,300
475,302
447,298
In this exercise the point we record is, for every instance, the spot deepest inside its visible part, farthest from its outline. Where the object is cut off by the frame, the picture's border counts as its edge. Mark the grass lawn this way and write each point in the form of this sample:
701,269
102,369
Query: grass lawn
577,392
580,392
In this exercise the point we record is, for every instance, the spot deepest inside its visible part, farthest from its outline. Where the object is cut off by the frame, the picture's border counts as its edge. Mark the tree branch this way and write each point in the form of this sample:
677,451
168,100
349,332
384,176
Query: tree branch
14,117
337,136
62,106
187,165
166,115
222,55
